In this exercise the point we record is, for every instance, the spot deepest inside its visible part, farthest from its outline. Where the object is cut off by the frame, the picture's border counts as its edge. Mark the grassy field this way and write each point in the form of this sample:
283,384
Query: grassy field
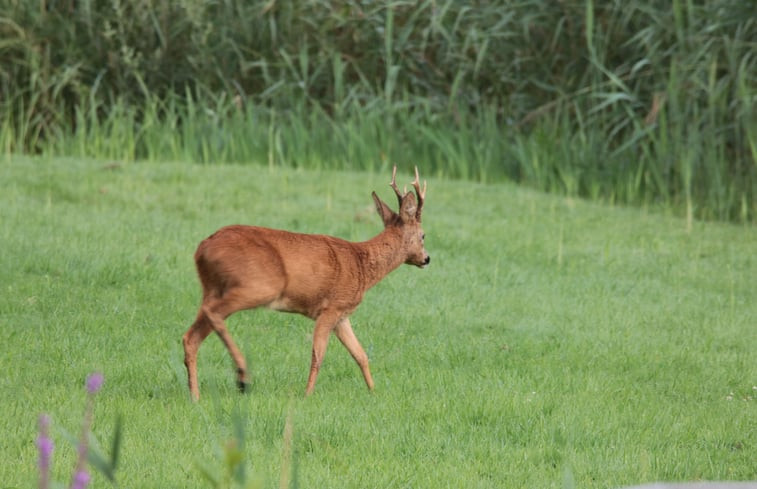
551,343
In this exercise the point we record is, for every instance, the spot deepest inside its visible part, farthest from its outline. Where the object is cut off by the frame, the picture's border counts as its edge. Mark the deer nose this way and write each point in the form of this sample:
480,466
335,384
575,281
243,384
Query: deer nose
427,260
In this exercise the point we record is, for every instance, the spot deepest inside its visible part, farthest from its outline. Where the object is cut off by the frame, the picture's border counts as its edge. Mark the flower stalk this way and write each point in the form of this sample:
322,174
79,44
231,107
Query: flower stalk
81,477
45,446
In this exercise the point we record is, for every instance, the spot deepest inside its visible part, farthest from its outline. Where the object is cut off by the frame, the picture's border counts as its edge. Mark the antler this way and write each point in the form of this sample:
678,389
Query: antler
421,194
393,184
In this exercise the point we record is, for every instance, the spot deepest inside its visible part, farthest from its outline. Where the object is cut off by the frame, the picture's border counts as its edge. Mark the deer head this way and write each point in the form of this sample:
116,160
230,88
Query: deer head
408,220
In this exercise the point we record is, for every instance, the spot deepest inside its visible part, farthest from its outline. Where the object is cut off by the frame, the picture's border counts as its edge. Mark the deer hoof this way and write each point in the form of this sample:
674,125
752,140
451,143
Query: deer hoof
243,386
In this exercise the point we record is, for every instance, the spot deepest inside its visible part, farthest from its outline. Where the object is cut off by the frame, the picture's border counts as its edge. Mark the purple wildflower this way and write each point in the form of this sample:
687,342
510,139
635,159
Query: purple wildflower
94,382
44,443
45,446
81,479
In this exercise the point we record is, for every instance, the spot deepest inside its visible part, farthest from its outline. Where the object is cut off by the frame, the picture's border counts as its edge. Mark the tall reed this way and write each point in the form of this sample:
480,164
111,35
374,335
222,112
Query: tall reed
637,102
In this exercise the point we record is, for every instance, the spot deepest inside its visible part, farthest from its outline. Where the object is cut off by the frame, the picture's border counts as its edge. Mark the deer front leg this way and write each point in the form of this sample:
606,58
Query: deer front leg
349,340
324,325
191,341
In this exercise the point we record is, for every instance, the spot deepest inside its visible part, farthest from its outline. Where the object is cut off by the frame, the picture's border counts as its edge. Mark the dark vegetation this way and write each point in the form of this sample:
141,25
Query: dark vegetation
642,102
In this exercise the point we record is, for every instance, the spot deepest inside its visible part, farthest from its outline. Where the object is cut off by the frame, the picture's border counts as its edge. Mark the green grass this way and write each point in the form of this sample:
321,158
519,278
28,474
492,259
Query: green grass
551,342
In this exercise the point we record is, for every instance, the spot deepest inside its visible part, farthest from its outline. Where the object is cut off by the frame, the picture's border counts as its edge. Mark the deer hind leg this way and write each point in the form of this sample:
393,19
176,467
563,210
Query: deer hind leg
192,339
345,334
219,326
237,299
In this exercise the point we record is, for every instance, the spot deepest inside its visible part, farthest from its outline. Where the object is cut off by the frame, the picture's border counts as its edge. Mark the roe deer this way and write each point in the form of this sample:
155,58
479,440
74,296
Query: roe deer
321,277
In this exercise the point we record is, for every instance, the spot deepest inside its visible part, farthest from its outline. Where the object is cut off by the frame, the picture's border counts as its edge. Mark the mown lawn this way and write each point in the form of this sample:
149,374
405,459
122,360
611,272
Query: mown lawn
551,343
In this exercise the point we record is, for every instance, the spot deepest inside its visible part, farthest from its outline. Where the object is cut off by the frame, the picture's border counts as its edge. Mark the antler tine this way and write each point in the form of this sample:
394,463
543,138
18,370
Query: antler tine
420,193
393,184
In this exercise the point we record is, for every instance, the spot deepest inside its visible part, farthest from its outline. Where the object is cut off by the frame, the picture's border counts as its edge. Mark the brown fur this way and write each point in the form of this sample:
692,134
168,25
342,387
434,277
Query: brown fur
321,277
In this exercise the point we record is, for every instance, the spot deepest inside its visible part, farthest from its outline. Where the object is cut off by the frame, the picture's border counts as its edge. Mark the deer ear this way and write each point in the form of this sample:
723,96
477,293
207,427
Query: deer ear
386,214
408,207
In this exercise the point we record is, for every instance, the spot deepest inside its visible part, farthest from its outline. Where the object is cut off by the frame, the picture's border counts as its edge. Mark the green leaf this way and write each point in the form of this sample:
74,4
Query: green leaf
116,444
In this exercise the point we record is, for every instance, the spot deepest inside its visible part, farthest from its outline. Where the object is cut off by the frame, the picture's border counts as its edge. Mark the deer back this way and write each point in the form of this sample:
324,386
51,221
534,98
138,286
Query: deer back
295,272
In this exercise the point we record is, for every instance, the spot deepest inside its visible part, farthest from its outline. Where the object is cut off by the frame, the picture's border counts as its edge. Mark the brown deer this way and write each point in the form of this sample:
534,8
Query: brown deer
321,277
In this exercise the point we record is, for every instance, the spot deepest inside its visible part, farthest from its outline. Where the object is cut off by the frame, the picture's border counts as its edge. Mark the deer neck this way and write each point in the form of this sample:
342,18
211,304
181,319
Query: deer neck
380,255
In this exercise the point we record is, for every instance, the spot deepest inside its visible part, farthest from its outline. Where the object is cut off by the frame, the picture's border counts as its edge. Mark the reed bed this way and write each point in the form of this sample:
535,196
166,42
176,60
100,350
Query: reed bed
640,102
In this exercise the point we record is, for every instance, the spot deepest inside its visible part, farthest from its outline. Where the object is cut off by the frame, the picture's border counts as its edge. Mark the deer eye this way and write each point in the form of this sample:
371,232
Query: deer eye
423,237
